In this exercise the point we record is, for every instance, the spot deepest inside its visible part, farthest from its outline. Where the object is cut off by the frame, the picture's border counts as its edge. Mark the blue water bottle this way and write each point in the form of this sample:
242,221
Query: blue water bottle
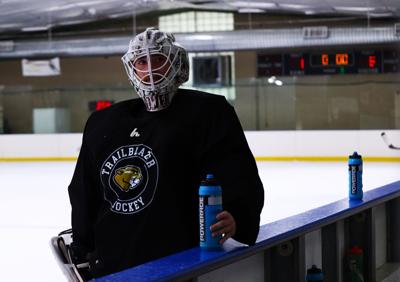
314,274
210,204
355,177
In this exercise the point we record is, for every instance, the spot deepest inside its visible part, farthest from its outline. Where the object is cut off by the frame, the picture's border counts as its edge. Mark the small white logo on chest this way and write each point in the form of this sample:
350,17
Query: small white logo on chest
134,133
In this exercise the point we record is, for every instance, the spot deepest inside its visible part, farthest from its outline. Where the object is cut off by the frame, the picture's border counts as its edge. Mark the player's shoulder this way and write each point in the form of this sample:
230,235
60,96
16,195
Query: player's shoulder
113,112
200,98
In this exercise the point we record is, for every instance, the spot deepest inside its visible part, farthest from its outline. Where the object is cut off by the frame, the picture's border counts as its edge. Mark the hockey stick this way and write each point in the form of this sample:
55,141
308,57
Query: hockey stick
386,140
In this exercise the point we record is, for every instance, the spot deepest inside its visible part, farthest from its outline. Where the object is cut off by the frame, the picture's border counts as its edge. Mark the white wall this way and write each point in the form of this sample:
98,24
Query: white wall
328,143
40,145
316,143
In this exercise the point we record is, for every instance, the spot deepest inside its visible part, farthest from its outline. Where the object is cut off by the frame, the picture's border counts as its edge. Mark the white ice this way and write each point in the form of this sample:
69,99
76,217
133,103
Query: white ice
34,205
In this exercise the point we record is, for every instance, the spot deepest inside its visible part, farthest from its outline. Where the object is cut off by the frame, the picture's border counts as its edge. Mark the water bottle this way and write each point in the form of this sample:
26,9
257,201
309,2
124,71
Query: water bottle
314,274
355,177
356,265
210,204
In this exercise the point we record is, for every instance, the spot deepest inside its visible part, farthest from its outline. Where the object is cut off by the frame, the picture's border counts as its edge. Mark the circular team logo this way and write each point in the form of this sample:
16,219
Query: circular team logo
129,176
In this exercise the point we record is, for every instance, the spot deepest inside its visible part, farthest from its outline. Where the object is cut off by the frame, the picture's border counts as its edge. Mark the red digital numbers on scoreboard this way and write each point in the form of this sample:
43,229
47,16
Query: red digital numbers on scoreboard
371,62
102,104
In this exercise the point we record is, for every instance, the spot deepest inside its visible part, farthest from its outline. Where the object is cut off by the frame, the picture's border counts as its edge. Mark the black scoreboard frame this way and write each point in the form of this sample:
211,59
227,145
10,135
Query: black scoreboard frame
328,62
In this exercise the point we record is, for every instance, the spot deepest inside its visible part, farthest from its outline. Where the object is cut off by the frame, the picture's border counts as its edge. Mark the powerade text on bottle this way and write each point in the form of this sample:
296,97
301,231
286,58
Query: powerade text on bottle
210,204
355,177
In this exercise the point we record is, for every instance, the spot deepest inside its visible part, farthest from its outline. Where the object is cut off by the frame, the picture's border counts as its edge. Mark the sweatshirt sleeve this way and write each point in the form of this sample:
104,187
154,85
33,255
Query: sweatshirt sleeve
82,198
228,156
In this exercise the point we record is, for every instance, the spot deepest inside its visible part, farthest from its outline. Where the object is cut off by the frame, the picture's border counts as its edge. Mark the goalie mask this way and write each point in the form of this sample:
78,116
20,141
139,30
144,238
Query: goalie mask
156,66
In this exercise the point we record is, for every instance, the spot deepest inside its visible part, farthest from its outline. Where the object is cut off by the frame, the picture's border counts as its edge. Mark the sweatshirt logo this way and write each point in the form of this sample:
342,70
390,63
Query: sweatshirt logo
134,133
129,176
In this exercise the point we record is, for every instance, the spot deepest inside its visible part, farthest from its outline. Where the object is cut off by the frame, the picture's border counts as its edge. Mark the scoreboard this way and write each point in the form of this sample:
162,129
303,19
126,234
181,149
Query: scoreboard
328,63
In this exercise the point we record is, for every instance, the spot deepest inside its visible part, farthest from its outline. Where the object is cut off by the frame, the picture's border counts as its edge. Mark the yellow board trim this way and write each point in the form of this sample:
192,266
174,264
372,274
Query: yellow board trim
324,159
259,159
38,159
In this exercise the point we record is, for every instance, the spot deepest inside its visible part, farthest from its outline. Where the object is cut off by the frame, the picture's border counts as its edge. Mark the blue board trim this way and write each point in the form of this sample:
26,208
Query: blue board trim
194,262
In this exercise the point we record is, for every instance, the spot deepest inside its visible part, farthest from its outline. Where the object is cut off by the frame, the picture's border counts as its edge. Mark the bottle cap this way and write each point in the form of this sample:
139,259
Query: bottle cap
210,186
355,156
210,180
356,250
314,274
313,269
210,176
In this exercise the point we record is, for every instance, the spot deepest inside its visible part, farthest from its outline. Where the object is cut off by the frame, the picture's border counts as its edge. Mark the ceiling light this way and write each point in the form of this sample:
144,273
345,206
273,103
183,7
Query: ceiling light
201,37
310,12
259,5
381,15
294,6
12,25
250,10
59,8
354,9
35,28
91,11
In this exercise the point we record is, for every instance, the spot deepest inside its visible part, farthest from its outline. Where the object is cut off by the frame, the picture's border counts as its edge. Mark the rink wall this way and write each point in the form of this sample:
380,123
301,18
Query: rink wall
286,248
315,145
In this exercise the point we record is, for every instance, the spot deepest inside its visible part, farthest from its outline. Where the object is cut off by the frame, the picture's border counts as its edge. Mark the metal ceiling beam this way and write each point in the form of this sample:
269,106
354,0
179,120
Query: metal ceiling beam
203,42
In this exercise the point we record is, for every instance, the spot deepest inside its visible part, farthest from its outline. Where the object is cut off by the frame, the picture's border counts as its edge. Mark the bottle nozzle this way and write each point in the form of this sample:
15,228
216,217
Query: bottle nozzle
210,176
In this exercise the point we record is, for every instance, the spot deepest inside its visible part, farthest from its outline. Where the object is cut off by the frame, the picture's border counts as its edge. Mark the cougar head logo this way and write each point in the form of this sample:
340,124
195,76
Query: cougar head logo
128,177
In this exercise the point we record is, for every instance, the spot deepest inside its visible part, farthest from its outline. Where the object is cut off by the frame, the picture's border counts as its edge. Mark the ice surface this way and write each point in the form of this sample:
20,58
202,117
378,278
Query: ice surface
34,205
294,187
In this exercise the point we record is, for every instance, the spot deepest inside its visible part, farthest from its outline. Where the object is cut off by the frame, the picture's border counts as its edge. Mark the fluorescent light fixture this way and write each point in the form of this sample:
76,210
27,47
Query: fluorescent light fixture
310,12
60,8
9,25
294,6
381,15
354,9
35,28
119,15
250,10
92,11
201,37
92,2
73,5
259,5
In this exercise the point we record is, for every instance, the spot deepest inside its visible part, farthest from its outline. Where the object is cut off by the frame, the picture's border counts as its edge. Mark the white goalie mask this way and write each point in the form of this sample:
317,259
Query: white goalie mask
156,66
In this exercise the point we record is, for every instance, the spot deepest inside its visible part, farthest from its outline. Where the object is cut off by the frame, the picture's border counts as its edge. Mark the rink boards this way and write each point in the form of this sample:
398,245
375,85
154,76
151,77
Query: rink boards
304,145
286,248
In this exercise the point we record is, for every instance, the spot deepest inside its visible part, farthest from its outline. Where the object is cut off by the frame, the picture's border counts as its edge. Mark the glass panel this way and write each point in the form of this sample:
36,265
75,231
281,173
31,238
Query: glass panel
320,102
298,101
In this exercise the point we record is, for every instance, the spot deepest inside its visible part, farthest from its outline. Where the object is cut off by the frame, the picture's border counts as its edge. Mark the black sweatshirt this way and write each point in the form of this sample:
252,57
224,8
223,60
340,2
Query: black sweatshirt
134,192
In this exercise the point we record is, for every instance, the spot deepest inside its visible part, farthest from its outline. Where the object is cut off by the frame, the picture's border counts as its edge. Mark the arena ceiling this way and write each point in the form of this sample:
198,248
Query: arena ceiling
41,15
